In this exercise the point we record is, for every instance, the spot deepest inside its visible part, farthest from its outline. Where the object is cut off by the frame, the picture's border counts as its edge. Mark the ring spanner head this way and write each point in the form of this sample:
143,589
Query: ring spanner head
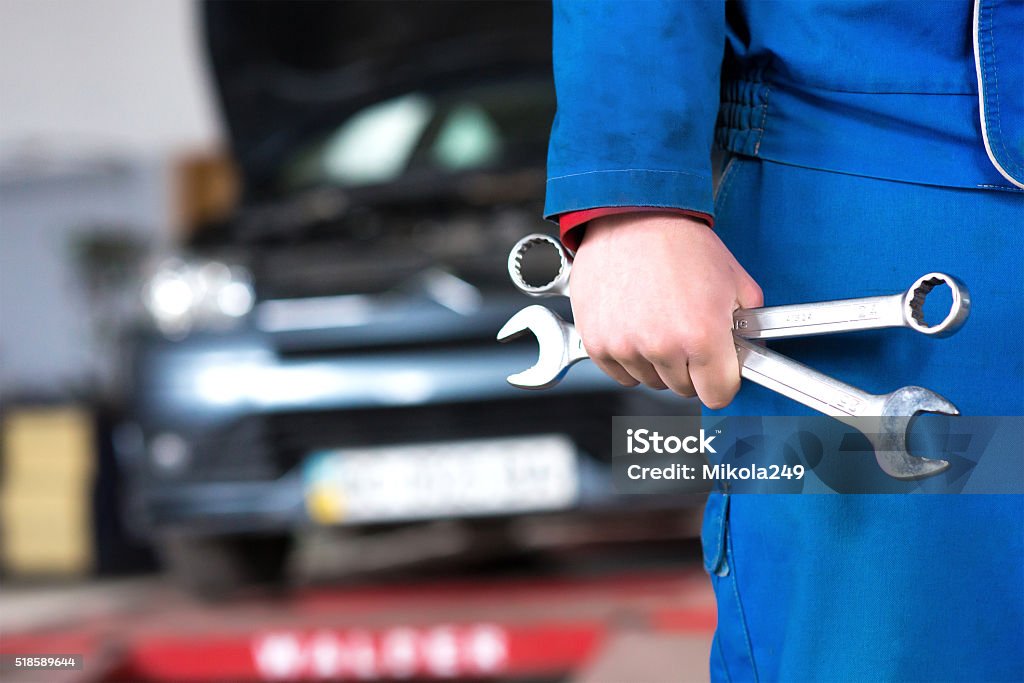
893,428
559,285
913,305
558,342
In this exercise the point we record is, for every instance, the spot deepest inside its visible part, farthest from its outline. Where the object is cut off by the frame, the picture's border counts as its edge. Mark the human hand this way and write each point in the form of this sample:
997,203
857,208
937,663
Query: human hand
653,297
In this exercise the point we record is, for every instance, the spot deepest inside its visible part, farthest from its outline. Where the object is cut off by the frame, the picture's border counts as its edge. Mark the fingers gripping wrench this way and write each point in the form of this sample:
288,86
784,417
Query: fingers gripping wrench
890,414
561,347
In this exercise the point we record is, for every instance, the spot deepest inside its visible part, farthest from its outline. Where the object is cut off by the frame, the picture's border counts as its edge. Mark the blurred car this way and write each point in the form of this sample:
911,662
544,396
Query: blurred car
327,355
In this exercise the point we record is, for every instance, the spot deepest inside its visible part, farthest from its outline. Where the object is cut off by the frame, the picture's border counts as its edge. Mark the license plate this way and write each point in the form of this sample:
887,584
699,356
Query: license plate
443,479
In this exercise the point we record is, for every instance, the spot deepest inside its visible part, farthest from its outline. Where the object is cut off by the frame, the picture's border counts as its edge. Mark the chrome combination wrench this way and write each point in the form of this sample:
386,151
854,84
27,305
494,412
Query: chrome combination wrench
883,419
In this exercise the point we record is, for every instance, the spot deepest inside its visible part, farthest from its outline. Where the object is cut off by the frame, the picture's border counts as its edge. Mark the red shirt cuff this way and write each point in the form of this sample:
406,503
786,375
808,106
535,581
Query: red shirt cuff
571,225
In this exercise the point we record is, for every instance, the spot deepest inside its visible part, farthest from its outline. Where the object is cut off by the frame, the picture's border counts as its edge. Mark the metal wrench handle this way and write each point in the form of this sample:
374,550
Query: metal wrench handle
574,351
804,385
825,317
867,313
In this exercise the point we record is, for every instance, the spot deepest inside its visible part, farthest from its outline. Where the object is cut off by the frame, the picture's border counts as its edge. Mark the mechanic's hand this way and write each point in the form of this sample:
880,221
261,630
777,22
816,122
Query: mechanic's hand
653,297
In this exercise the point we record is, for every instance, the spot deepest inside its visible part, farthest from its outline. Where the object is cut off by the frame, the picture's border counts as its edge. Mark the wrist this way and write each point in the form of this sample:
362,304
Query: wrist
573,225
643,223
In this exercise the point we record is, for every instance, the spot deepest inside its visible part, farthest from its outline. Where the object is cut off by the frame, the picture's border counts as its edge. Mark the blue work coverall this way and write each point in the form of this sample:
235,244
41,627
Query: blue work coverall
870,141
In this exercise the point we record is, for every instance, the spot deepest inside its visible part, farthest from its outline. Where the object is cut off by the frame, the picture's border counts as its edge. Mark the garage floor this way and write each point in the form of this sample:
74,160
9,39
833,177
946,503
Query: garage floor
650,626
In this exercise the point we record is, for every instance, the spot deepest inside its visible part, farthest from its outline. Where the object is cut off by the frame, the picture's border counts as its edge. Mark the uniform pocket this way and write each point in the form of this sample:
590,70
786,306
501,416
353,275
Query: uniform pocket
732,657
712,535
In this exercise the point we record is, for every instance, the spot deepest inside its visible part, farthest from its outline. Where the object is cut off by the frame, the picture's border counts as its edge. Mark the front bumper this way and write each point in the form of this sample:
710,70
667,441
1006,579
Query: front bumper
246,419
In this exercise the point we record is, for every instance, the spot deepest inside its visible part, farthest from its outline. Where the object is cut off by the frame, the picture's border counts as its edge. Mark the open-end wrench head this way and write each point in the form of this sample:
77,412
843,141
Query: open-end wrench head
557,344
913,304
890,439
559,285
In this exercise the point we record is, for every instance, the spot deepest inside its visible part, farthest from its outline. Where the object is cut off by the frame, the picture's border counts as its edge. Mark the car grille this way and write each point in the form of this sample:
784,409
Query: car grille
268,446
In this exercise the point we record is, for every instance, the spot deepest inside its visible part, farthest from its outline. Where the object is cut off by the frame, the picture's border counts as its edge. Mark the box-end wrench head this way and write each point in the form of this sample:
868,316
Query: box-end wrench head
559,345
559,285
959,309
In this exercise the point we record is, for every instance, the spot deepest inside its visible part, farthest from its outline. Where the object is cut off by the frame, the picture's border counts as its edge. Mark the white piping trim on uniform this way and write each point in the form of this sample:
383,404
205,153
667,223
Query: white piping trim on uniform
981,98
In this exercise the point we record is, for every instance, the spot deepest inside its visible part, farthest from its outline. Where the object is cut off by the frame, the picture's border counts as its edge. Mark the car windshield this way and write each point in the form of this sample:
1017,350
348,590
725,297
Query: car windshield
497,126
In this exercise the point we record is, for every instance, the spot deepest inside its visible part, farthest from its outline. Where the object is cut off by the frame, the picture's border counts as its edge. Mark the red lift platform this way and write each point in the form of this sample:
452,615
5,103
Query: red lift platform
499,629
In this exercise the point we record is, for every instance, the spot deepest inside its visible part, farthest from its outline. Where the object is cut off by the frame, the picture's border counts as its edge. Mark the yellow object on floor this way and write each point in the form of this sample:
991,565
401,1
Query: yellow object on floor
46,494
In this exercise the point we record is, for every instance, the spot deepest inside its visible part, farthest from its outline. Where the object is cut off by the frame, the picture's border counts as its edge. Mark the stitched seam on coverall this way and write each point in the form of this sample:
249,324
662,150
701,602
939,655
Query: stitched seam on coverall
1012,167
739,606
764,119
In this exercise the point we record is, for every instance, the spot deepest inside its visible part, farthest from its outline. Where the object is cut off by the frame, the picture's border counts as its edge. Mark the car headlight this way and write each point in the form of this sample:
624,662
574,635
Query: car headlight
182,295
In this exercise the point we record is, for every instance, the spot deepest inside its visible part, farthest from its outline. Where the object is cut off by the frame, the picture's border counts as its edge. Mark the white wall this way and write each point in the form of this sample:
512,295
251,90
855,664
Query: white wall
96,98
122,76
51,343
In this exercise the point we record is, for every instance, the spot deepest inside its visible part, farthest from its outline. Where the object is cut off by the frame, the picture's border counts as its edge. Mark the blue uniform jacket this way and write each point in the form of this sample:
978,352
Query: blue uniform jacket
923,92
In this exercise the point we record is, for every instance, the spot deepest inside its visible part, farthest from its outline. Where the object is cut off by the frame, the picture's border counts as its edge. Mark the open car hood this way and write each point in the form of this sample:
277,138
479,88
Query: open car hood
286,70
